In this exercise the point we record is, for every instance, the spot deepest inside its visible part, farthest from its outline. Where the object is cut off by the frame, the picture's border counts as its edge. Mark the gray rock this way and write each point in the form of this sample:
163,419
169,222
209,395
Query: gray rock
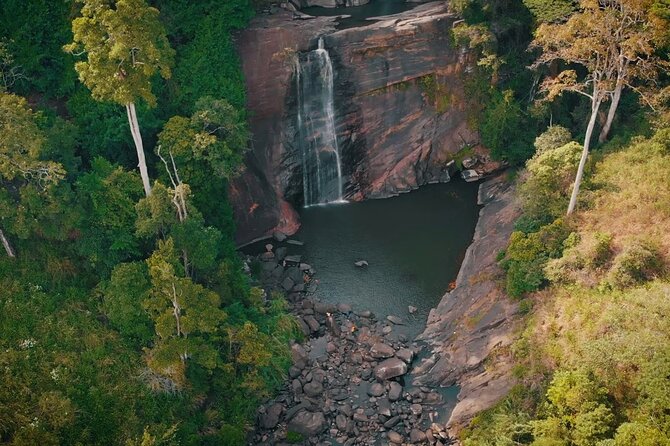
384,407
281,253
279,236
296,387
380,350
390,368
270,418
287,284
361,263
395,391
304,267
364,313
391,422
469,163
417,436
293,372
324,307
360,417
470,175
405,354
376,389
299,356
293,259
394,320
312,323
313,388
341,422
416,409
395,437
307,423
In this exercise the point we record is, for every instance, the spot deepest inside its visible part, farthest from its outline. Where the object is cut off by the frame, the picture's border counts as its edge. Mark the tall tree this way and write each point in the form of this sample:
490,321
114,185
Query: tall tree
125,45
21,144
611,40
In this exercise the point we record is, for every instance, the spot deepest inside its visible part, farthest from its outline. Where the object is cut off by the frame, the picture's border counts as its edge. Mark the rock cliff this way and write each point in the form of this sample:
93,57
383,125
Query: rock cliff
472,328
399,109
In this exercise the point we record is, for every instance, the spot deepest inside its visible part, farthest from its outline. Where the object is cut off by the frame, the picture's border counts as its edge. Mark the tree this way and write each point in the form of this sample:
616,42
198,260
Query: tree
21,144
612,40
126,46
186,316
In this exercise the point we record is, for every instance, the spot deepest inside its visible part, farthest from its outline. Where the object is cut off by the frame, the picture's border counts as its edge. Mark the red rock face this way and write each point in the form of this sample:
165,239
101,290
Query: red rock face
394,135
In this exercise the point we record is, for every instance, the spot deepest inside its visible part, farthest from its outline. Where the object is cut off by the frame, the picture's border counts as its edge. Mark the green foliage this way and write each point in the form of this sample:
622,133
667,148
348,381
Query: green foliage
34,32
546,186
125,45
435,92
504,129
123,297
552,10
637,263
527,254
108,195
207,63
215,135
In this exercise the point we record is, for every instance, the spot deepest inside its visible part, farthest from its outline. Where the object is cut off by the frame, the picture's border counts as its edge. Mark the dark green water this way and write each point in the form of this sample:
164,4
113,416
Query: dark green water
414,244
361,14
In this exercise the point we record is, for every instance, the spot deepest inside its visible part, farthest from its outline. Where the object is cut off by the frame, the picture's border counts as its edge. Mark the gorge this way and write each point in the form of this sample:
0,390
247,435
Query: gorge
391,135
346,109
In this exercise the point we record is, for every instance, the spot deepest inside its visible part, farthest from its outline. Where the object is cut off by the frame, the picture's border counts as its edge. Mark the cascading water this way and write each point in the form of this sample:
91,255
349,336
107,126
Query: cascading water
321,164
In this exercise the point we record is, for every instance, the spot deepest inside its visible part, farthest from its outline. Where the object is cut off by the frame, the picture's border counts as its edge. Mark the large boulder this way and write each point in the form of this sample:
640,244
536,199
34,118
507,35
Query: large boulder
270,418
390,368
307,423
379,350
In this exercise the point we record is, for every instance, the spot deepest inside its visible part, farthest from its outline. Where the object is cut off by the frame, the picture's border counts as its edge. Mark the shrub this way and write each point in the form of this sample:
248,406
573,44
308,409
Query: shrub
527,255
637,263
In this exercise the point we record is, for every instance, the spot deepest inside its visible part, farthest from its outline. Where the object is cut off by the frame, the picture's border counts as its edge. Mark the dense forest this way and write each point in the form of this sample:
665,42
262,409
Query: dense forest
126,317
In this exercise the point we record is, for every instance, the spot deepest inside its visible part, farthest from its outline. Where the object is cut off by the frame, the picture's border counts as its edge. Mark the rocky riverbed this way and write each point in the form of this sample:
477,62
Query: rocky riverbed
347,383
359,380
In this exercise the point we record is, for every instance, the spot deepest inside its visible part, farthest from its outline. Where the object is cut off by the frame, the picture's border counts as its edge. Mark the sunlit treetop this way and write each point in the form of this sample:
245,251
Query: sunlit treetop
125,45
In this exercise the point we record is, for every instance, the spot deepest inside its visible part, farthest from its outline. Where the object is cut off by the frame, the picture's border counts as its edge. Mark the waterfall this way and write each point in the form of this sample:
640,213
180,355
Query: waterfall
317,137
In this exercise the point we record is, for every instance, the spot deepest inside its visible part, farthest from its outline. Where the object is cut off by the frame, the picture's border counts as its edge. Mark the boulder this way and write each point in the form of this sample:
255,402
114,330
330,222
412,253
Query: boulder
313,388
405,354
287,284
384,407
395,391
299,356
380,350
470,175
390,368
279,236
323,307
412,309
376,389
307,423
394,319
395,437
469,163
270,418
417,436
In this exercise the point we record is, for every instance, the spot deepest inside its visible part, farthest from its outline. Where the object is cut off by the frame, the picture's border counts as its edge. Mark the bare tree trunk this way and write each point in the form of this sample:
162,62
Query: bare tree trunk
7,245
137,138
604,133
595,106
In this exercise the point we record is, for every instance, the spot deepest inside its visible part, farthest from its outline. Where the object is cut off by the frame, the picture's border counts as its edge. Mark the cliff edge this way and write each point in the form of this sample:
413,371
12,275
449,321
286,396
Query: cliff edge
472,328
